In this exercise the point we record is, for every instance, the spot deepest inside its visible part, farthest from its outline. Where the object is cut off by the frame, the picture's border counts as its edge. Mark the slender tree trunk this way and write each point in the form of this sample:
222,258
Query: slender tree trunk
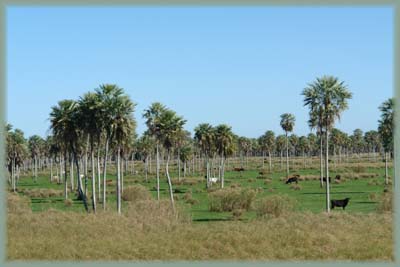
51,170
222,172
328,208
105,174
179,164
71,172
270,161
65,176
80,189
287,155
386,169
158,172
119,180
171,194
93,180
321,161
98,174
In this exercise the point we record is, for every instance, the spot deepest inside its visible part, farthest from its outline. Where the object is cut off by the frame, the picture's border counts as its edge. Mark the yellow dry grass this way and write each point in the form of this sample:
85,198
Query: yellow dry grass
147,231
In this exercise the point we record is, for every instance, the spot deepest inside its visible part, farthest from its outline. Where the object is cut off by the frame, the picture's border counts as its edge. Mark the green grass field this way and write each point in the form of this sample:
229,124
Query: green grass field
363,185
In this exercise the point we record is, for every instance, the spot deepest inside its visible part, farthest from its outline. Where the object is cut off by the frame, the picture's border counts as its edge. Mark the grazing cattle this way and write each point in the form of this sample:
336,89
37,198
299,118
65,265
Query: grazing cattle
339,203
261,173
294,179
337,177
324,179
214,180
238,169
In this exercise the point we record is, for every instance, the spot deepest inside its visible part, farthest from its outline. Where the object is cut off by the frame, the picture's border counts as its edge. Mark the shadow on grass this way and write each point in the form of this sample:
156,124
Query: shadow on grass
212,220
332,193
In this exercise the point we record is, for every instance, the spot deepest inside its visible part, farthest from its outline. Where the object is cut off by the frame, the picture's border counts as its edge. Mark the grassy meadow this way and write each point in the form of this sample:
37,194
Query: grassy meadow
61,230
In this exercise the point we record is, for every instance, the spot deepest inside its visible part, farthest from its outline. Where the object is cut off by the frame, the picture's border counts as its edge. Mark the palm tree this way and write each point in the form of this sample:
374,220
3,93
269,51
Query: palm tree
170,127
90,111
17,151
123,127
327,97
152,116
223,144
287,124
386,128
204,136
108,100
64,123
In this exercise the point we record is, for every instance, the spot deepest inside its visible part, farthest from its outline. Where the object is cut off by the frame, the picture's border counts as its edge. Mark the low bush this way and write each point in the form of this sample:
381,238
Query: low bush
385,203
274,206
229,199
295,187
135,193
17,204
68,202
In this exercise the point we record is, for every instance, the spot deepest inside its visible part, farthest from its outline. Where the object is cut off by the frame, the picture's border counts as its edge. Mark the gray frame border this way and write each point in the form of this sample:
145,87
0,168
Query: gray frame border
104,3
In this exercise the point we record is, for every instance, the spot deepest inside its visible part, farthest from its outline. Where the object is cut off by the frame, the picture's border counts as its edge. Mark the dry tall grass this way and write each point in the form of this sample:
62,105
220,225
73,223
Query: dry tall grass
147,231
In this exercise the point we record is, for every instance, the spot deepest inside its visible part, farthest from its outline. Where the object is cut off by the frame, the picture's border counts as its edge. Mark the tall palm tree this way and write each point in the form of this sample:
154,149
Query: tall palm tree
287,124
90,111
65,125
108,95
327,97
152,116
171,126
123,126
223,144
386,128
204,136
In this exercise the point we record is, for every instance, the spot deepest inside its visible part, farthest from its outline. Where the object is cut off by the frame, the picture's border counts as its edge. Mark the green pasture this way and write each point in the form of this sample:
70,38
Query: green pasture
311,197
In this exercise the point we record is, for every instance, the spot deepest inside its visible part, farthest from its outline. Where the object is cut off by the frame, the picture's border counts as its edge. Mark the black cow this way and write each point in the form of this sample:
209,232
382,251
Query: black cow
324,179
294,179
337,177
238,169
339,203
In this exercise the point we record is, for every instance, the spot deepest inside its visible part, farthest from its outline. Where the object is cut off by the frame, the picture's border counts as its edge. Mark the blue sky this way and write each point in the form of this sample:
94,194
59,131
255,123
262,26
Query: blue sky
243,66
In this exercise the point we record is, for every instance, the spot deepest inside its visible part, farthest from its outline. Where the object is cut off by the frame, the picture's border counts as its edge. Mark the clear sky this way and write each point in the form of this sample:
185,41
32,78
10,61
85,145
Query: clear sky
243,66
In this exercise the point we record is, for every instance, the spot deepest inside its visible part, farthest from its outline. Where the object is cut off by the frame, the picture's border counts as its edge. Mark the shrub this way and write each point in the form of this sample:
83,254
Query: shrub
268,181
275,206
386,202
135,193
235,185
18,204
296,187
373,196
68,202
237,213
229,199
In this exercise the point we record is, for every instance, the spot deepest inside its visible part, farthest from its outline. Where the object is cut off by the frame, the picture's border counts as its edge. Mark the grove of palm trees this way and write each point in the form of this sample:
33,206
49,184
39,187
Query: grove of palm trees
93,189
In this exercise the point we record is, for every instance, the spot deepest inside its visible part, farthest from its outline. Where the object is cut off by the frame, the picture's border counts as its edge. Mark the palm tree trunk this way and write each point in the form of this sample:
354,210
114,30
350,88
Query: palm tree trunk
105,174
222,171
270,161
287,155
327,171
93,180
98,173
321,161
386,169
51,170
80,189
65,176
158,173
171,194
71,173
119,180
179,165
